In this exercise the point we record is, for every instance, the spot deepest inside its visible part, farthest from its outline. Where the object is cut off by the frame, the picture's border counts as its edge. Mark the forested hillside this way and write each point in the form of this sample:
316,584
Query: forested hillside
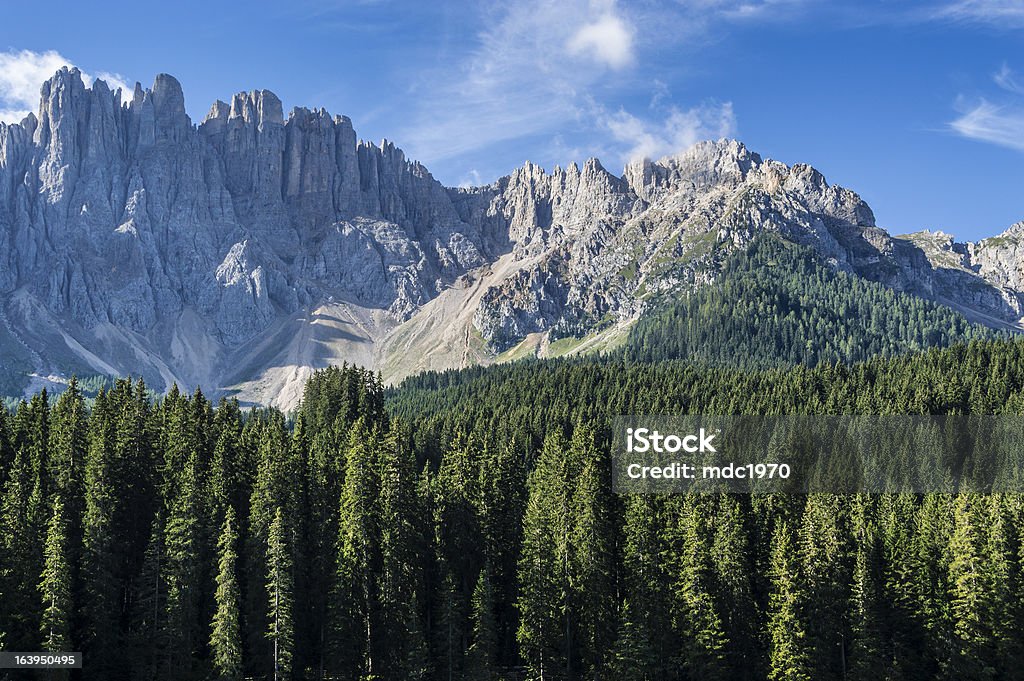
777,304
463,527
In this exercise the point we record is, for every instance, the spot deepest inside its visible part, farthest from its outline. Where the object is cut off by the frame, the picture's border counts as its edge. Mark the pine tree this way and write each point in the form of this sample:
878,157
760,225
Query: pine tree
482,653
789,659
542,578
280,594
183,569
226,636
149,611
355,607
18,565
867,656
695,603
642,641
973,647
55,587
826,575
401,572
100,570
457,530
592,551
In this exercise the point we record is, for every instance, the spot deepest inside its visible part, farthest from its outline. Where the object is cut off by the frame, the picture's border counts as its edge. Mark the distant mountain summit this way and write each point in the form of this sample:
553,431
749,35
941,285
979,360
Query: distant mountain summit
248,250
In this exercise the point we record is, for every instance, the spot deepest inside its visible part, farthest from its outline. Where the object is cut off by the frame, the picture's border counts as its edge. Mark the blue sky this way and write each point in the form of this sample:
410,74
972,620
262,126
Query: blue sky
918,106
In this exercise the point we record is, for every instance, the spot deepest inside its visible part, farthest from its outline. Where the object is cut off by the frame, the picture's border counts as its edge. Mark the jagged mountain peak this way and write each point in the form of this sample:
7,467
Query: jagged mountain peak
246,251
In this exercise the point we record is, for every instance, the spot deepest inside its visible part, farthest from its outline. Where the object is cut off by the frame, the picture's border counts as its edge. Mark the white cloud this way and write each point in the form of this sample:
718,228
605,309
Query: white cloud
988,122
527,75
680,130
470,179
1003,13
22,72
608,40
12,115
115,81
1007,79
543,70
1000,123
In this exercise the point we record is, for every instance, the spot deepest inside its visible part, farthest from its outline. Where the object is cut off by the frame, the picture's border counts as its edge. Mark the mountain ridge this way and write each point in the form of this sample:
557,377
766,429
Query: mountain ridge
247,250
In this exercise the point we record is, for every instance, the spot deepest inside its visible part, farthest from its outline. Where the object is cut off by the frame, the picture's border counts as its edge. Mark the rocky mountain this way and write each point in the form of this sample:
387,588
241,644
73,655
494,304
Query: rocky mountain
243,252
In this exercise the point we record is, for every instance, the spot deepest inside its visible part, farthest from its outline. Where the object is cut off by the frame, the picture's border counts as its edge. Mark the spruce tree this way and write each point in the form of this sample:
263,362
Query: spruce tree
542,567
973,650
789,658
275,487
100,569
183,569
502,489
592,548
731,561
401,571
280,594
149,611
355,592
1002,577
826,576
226,635
643,632
6,444
55,587
482,653
867,651
19,568
457,530
67,446
696,604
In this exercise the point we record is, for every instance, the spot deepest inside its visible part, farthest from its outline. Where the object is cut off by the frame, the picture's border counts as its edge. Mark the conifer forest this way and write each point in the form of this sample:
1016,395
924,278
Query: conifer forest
462,526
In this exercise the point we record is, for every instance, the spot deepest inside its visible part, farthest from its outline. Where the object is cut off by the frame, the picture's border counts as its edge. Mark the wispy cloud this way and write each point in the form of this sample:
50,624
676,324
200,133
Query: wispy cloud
679,130
543,68
470,179
995,123
1007,80
988,122
525,74
22,72
1003,13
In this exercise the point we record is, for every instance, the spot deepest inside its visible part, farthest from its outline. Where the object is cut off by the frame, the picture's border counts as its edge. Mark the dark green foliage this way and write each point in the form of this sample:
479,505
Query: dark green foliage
468,532
777,304
55,587
226,635
280,597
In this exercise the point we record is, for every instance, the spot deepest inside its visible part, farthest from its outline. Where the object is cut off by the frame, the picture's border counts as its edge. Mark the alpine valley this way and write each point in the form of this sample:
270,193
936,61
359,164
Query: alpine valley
245,252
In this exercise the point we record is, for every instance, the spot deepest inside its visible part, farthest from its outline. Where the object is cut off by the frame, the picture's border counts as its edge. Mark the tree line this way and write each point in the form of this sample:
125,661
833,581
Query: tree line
462,526
774,303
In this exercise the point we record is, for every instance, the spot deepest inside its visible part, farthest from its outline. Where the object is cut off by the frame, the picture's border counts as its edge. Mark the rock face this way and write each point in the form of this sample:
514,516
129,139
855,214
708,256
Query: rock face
246,251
